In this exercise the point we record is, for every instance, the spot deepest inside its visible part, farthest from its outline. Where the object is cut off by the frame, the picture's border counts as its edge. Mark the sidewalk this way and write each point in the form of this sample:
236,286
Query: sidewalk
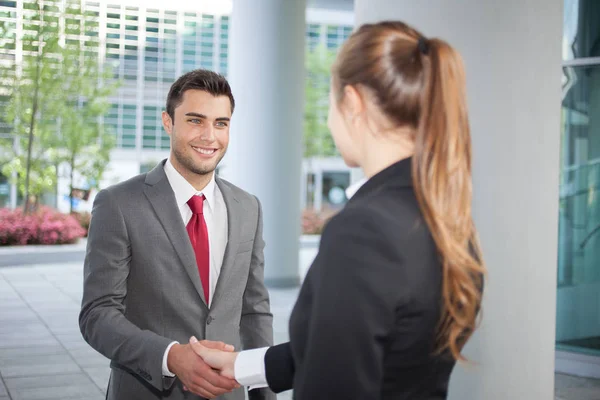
42,353
43,356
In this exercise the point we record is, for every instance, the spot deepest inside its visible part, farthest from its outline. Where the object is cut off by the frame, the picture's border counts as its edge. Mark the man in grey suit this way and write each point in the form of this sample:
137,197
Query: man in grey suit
175,253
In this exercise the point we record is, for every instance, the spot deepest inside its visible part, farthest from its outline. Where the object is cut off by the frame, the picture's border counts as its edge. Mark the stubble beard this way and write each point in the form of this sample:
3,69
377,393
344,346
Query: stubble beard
188,163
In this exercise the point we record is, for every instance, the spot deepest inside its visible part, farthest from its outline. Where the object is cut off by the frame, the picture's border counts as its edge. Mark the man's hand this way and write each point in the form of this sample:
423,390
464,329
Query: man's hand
197,376
214,356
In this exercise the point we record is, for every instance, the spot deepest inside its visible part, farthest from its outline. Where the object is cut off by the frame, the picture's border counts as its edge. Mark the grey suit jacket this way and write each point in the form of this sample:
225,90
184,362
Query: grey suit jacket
142,289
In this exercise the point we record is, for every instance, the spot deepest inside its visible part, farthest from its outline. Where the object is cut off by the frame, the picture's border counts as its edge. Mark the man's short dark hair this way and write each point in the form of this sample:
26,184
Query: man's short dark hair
199,79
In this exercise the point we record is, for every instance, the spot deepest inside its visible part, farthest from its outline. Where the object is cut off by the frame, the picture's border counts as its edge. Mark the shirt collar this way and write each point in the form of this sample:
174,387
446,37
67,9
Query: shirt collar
184,190
352,189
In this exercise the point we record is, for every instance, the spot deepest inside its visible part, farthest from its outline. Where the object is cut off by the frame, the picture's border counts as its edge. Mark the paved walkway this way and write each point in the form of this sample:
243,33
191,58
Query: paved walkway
43,356
42,353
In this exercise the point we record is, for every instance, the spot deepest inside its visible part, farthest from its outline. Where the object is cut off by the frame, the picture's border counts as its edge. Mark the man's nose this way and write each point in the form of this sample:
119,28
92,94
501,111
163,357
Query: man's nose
208,134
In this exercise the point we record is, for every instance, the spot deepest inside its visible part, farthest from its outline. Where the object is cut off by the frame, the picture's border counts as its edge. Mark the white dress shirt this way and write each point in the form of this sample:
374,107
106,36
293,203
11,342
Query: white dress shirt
249,368
215,215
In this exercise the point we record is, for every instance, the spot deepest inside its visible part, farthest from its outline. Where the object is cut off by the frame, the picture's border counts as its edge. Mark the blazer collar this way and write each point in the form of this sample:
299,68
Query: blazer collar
398,174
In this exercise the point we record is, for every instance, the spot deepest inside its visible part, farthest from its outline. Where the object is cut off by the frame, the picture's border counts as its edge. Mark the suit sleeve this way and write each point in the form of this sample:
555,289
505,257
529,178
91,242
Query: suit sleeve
279,367
256,325
352,311
102,320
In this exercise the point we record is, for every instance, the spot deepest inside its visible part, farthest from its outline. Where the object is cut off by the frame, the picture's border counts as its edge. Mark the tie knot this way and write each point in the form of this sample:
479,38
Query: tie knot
196,204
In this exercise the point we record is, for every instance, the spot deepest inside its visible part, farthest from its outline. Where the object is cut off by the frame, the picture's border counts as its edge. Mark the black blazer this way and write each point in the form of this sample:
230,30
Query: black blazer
365,321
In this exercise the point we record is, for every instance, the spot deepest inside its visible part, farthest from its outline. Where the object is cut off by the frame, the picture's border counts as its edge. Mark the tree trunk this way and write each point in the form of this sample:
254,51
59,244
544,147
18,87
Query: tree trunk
30,146
34,108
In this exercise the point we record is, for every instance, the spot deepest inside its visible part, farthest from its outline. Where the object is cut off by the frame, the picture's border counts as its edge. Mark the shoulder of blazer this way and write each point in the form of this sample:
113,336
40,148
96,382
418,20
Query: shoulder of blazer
239,194
391,216
128,187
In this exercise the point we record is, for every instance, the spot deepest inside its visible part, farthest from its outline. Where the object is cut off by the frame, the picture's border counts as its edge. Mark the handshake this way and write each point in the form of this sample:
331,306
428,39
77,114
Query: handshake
206,368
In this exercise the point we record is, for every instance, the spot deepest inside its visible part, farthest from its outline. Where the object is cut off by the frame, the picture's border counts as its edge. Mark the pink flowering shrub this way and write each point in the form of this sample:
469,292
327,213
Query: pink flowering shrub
84,219
44,226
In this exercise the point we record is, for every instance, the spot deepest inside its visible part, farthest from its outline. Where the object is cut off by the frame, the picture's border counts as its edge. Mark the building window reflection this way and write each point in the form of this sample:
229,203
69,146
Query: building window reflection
578,297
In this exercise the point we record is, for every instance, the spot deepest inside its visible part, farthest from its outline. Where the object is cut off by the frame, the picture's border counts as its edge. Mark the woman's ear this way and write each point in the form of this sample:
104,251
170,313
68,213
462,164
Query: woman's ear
352,104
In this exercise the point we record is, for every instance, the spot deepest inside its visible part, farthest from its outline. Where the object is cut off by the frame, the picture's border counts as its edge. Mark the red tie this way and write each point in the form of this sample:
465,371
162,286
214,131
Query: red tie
198,232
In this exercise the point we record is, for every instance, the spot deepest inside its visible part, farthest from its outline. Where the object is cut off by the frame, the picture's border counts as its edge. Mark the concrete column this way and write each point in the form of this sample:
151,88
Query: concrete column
512,51
266,72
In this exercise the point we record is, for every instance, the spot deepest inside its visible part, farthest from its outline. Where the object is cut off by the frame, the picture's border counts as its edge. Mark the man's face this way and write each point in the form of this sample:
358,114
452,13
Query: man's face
199,132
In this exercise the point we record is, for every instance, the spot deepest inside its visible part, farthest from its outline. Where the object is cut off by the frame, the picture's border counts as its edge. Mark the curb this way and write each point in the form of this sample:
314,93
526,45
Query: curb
42,254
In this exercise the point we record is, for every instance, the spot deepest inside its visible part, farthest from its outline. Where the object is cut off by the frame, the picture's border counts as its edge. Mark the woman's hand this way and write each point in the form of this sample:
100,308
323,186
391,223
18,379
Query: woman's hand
223,361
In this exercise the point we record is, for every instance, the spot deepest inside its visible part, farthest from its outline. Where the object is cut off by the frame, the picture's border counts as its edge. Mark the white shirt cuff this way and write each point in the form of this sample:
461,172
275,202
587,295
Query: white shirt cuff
249,368
165,368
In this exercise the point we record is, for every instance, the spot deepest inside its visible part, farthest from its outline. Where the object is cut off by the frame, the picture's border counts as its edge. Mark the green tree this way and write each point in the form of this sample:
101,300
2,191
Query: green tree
317,140
32,107
58,99
83,142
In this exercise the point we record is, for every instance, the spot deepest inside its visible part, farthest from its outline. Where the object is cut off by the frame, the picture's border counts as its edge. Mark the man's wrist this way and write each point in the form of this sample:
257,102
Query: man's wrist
172,356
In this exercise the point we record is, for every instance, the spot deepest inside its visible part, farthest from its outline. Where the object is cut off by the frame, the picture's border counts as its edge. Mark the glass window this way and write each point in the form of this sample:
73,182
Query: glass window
581,34
334,190
165,140
578,299
149,137
147,167
347,31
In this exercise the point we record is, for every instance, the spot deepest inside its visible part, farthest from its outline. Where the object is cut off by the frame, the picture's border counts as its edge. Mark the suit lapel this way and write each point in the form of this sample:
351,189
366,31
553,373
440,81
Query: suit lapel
234,213
161,196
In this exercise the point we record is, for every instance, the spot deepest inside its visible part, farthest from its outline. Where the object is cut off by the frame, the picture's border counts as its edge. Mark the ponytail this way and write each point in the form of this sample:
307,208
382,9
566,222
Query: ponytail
442,182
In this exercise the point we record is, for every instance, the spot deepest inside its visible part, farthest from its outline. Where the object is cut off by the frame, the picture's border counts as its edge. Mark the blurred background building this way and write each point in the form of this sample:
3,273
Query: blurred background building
149,45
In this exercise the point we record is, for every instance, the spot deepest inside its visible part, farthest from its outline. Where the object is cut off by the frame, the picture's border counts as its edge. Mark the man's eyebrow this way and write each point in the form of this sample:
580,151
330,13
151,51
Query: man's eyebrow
198,115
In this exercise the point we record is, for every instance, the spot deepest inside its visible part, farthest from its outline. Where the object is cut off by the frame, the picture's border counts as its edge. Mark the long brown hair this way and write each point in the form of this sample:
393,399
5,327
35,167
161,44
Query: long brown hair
420,83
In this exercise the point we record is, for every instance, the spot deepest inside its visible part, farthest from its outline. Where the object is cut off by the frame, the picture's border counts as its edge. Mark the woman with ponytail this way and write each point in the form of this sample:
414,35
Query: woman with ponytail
394,292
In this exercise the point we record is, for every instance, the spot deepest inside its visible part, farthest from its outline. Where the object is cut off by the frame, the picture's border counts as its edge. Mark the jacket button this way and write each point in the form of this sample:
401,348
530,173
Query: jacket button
209,320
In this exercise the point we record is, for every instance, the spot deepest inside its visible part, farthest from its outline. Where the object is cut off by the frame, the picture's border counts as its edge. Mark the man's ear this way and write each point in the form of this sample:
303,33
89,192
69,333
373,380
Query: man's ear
167,122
